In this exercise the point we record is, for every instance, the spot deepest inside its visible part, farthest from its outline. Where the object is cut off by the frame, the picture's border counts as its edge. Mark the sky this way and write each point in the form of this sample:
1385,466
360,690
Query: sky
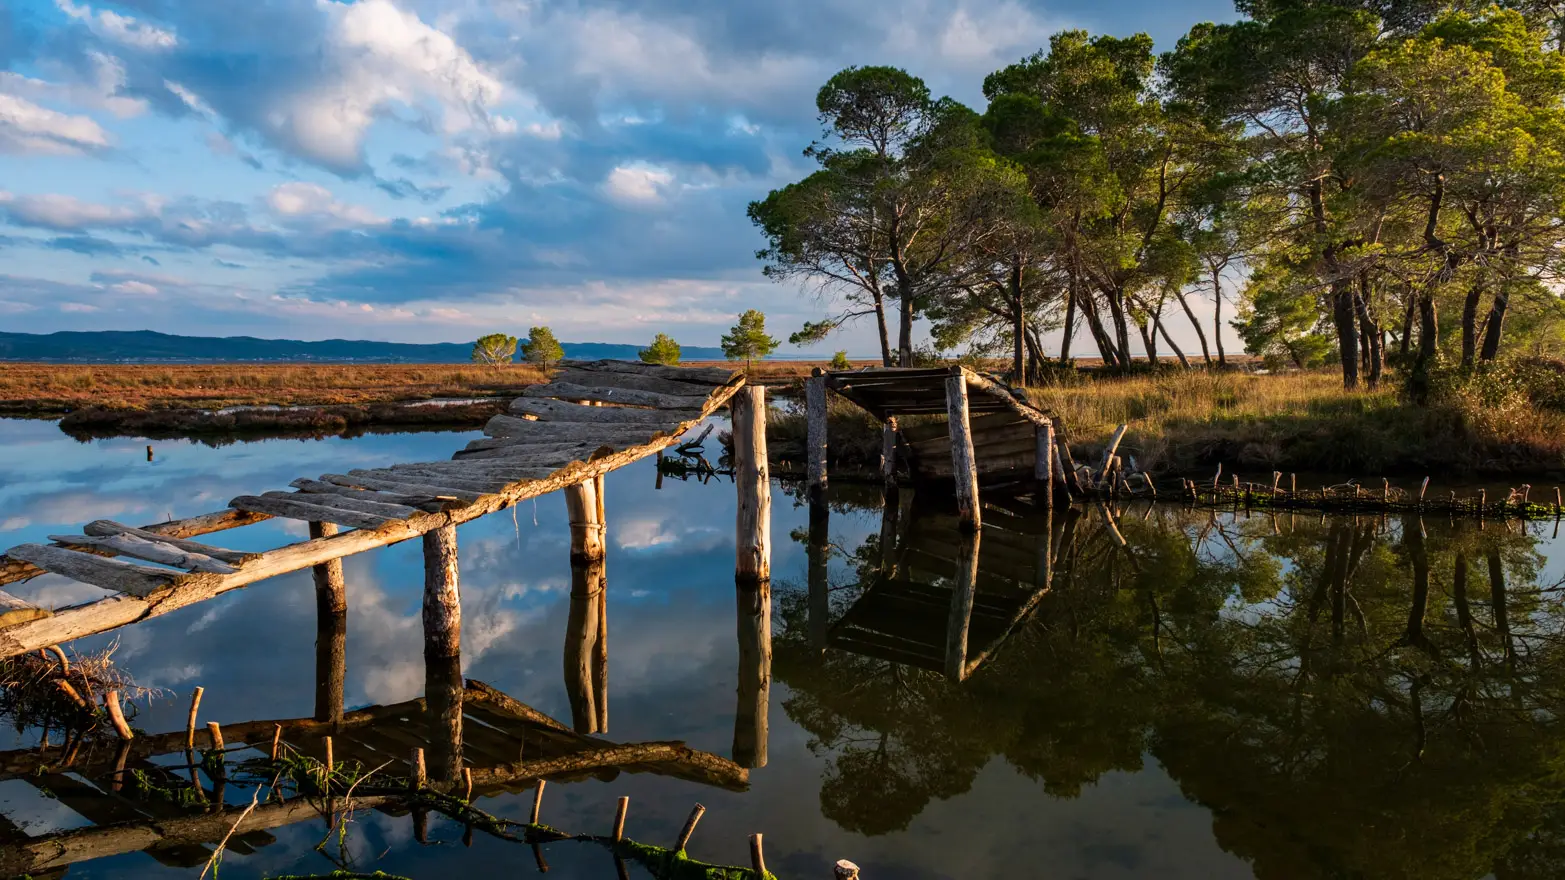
422,171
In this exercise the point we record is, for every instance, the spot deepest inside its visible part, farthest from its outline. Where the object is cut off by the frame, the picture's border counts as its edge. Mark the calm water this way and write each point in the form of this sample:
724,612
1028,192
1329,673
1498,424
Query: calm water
1222,697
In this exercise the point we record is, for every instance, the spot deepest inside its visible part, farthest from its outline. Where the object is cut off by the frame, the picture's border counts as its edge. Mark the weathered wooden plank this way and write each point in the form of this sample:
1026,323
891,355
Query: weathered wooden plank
15,570
701,375
520,455
106,528
14,610
633,382
502,426
110,574
498,481
486,487
486,470
342,502
308,512
426,503
548,410
627,397
1005,395
152,551
403,486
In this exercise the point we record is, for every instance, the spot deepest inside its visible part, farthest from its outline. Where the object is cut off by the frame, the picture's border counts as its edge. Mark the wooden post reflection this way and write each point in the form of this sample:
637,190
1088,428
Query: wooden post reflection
331,664
443,654
962,595
754,605
819,559
586,654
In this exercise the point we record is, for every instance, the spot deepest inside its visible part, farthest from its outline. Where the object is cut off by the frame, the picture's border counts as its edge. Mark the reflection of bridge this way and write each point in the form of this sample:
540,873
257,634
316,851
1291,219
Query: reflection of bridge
943,598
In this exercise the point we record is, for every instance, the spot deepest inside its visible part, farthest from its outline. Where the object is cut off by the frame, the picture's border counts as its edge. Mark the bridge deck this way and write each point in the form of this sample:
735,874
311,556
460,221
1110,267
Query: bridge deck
593,417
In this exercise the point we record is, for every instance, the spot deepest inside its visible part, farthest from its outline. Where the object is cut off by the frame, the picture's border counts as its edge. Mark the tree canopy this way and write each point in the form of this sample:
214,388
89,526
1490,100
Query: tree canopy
494,349
541,347
663,350
747,340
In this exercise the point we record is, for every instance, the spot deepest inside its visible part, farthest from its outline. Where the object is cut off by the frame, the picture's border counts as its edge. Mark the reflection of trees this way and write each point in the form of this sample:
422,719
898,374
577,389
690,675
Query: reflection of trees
1349,698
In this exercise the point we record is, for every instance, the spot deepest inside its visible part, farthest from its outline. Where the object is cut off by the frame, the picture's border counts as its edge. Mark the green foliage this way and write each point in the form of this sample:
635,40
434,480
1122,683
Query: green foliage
494,349
747,340
541,347
663,350
839,361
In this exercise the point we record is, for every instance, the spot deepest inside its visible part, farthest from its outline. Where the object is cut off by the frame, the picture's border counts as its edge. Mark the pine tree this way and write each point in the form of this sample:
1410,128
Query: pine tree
747,339
663,350
541,348
494,349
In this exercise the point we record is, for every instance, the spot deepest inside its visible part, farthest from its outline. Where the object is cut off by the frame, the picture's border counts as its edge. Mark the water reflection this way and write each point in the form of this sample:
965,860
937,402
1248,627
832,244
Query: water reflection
1215,697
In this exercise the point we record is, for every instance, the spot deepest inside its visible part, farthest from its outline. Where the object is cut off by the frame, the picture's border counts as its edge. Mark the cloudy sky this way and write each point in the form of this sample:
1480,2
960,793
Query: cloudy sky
426,171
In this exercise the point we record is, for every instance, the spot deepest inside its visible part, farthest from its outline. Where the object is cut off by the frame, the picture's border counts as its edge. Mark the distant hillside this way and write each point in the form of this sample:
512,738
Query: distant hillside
137,346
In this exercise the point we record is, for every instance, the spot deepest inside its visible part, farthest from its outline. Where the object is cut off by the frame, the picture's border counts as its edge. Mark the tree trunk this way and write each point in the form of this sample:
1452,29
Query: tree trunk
1035,357
880,324
1070,323
1428,340
1148,341
1470,323
1407,325
1206,353
905,331
1121,318
1491,336
1369,332
1018,324
1347,332
1178,352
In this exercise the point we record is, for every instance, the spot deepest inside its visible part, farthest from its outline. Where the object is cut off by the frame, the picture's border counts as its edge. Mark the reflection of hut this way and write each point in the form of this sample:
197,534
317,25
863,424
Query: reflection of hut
945,599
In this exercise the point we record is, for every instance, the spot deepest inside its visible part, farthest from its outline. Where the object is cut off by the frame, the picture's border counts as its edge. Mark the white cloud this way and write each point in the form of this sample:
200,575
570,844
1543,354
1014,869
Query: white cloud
141,288
61,212
27,128
643,184
121,29
315,202
99,91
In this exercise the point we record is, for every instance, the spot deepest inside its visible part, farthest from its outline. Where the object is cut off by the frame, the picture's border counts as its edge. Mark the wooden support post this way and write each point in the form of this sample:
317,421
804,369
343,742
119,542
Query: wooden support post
619,819
581,501
888,453
190,722
419,778
961,619
331,662
754,605
689,829
331,591
443,653
815,442
964,466
1043,465
537,803
757,857
819,556
752,477
215,732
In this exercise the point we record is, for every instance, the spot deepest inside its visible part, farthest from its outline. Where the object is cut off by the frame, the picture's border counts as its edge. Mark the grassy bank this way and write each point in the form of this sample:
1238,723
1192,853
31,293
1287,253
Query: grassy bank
55,389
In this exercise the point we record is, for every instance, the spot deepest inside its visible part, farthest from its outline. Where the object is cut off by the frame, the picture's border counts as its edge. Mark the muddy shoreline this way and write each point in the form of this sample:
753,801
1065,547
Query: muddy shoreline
99,422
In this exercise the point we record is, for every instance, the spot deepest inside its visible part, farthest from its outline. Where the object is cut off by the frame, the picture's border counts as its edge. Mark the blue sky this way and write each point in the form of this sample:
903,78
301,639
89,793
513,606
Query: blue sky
422,171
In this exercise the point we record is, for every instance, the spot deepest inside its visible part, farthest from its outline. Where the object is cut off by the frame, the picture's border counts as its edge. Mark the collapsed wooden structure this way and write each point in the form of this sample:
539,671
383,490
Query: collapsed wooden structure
592,417
1009,440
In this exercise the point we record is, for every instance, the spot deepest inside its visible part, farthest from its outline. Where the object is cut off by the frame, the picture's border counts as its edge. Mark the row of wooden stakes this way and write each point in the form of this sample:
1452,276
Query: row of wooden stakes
1353,495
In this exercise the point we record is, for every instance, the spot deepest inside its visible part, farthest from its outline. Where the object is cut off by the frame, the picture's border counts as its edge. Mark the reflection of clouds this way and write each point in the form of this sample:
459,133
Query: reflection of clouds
664,533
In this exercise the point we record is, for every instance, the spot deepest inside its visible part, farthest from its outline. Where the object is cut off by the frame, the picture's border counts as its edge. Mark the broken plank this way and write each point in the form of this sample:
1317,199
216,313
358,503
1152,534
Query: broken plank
152,551
426,503
307,512
110,574
566,432
486,487
14,610
572,391
633,382
501,480
105,528
342,502
548,410
701,375
405,486
488,471
526,456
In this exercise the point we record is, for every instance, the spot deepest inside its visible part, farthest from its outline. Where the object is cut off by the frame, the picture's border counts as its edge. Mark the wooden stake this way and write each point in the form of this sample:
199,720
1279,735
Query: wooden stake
1557,504
581,501
1276,478
1293,484
757,857
326,741
888,453
964,465
752,480
190,722
845,870
537,803
442,594
1422,488
619,819
419,778
689,829
277,741
815,444
467,779
112,701
1215,478
216,733
1385,490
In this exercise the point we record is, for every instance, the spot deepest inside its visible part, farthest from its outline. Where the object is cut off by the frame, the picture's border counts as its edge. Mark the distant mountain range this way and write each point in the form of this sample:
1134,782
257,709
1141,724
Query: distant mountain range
136,346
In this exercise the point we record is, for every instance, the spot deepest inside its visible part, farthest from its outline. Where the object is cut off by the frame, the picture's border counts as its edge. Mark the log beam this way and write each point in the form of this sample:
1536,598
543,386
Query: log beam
752,478
963,464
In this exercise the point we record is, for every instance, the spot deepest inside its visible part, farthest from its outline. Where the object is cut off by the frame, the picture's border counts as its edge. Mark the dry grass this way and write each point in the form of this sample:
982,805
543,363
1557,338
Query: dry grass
46,389
1299,421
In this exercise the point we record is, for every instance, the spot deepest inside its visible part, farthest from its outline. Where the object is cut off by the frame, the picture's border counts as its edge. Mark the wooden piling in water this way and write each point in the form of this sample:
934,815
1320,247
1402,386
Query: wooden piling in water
331,591
757,856
581,638
331,662
845,870
1043,465
581,501
959,623
111,700
215,733
619,819
815,443
888,453
752,479
964,465
442,617
689,829
190,722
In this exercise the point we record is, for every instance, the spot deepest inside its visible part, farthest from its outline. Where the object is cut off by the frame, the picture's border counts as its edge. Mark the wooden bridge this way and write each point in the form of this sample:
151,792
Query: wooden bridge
593,417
